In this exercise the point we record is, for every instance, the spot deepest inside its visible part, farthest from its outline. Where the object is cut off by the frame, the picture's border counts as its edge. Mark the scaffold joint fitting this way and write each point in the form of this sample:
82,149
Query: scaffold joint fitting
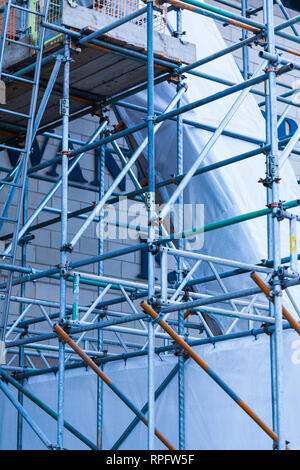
67,247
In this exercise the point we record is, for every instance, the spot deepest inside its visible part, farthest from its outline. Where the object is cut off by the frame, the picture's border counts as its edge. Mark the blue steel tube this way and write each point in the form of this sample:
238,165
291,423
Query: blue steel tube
245,48
181,360
100,272
150,201
64,233
24,163
270,251
273,162
22,306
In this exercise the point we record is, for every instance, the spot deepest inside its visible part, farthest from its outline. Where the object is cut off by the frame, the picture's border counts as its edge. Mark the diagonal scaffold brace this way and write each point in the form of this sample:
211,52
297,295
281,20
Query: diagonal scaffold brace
149,310
108,382
267,291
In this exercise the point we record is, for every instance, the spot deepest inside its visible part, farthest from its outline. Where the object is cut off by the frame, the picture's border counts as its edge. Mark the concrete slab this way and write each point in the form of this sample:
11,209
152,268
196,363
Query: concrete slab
129,34
96,72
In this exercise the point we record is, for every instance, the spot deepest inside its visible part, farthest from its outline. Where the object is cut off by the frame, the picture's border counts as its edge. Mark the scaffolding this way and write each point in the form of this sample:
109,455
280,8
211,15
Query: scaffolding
165,304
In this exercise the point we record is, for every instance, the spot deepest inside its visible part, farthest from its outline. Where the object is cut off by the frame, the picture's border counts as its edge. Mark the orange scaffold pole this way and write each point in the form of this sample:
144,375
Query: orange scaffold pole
149,310
267,291
108,382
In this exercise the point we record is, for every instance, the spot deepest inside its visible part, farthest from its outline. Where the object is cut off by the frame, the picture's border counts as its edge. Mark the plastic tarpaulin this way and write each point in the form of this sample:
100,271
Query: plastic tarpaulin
213,420
229,191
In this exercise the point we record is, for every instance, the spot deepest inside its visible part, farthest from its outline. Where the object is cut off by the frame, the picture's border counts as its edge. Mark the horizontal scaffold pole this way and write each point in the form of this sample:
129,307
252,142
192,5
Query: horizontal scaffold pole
141,246
226,222
108,382
234,272
158,350
209,371
79,329
241,21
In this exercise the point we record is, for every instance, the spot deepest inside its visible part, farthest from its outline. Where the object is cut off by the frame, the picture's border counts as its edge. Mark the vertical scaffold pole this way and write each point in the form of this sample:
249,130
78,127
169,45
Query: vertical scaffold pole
22,306
180,169
150,200
64,109
270,247
273,170
245,48
100,272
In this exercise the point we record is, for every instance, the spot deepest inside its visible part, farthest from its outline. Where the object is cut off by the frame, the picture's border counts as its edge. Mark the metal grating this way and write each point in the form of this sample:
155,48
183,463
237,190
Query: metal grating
121,8
11,29
54,16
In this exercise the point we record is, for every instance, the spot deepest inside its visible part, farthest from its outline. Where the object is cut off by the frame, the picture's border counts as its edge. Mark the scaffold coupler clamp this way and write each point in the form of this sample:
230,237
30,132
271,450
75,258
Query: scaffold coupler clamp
150,201
265,327
178,34
25,331
267,181
151,117
119,127
186,296
27,238
211,341
278,210
64,270
153,301
177,78
277,281
179,352
153,248
173,176
103,314
67,247
74,47
102,113
250,44
28,275
64,107
156,320
65,324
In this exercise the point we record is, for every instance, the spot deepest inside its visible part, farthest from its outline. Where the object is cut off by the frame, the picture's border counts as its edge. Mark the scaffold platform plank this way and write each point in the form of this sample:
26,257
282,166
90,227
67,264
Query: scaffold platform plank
97,71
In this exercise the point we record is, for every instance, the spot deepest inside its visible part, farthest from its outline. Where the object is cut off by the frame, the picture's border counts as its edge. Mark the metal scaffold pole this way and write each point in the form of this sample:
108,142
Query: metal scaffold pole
245,48
181,329
64,109
273,173
100,343
150,201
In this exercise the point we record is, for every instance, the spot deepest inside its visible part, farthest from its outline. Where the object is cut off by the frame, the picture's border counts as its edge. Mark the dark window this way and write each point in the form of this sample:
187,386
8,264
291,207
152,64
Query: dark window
294,4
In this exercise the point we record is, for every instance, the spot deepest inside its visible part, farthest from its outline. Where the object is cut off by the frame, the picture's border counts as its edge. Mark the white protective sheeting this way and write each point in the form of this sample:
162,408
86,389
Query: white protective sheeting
229,191
213,420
